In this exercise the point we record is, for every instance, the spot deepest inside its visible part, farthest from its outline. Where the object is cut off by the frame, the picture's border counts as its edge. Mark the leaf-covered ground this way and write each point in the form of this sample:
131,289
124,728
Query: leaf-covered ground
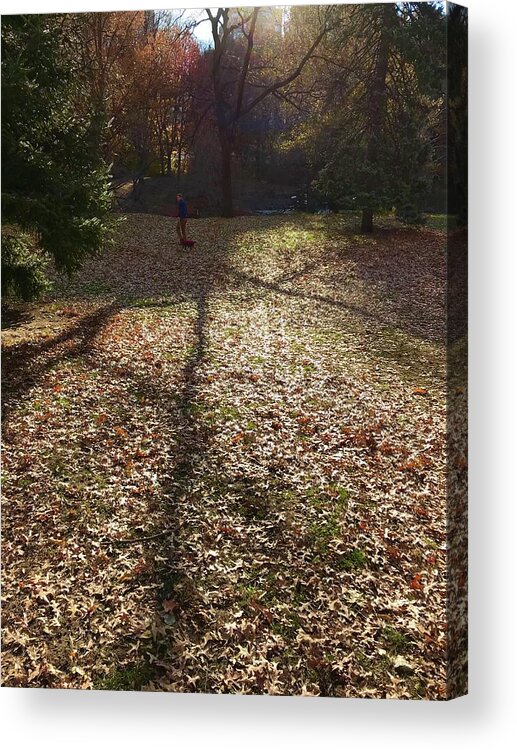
224,468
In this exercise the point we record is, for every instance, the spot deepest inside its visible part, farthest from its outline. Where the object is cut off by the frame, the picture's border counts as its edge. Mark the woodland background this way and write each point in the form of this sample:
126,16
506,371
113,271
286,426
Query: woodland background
322,107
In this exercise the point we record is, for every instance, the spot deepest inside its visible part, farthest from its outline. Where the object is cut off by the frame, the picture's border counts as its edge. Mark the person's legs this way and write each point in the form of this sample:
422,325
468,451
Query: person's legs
180,229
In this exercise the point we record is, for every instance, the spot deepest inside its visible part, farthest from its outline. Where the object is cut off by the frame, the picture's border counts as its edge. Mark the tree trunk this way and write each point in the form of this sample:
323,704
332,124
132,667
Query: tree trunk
179,165
377,105
367,220
226,177
162,167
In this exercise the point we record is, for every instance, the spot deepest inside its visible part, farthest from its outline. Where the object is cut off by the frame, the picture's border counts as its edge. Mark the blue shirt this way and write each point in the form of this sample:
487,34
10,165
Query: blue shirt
182,209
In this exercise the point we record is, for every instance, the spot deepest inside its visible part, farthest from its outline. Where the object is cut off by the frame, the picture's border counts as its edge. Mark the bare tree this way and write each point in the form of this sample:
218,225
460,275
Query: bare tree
238,86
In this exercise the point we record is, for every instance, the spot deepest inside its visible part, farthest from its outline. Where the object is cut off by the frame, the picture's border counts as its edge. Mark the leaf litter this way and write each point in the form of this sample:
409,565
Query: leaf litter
225,468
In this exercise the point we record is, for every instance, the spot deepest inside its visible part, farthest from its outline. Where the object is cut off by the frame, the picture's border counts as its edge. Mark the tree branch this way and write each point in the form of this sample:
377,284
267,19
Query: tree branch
246,64
288,79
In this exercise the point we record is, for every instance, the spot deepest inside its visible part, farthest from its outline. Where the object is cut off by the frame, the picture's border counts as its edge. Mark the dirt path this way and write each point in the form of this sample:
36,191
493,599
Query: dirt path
267,413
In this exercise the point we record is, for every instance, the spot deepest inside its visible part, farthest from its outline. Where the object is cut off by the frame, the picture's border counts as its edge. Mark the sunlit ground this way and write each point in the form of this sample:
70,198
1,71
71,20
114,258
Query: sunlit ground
235,459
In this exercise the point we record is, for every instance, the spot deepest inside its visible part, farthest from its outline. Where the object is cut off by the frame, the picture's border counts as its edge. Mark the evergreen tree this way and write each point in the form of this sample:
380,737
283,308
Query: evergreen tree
457,112
55,194
382,141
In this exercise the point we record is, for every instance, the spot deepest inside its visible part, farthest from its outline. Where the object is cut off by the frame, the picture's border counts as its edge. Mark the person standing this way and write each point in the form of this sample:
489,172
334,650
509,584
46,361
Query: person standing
181,226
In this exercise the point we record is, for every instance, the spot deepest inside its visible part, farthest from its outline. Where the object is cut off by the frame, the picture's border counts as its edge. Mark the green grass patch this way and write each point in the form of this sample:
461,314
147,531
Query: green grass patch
352,560
287,628
227,413
332,498
130,678
320,534
326,336
155,302
64,402
94,288
248,593
329,495
441,221
395,640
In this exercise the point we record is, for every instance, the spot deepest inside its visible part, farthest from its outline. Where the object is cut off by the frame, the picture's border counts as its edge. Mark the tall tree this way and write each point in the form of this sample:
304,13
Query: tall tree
376,101
381,144
55,196
167,65
238,78
457,111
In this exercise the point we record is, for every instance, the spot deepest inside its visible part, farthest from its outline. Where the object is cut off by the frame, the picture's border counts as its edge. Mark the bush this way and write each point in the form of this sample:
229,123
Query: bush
55,183
23,267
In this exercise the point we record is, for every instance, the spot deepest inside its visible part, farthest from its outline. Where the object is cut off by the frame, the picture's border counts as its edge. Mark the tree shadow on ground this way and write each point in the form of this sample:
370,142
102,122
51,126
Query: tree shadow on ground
14,317
23,365
397,275
172,582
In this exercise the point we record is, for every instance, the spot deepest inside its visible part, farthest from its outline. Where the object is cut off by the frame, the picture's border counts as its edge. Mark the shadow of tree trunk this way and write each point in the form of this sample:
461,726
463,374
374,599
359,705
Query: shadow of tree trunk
24,365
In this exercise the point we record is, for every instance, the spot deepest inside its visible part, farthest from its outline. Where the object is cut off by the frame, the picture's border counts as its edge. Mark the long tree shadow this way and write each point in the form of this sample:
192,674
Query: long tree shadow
23,365
171,581
276,287
179,415
400,275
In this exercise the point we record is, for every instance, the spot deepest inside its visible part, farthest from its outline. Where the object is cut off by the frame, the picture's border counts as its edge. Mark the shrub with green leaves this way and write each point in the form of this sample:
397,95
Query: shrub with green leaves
55,183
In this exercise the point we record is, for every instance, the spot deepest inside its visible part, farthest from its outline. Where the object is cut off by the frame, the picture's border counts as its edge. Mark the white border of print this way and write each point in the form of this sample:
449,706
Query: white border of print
62,719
